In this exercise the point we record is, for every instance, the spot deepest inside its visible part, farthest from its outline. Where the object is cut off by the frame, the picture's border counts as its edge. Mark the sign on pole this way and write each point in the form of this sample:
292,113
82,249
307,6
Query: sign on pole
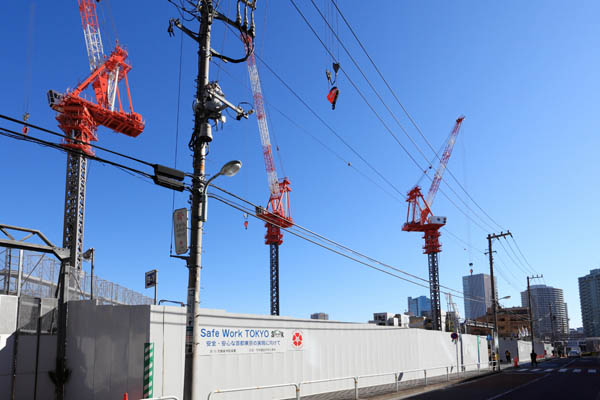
180,230
151,279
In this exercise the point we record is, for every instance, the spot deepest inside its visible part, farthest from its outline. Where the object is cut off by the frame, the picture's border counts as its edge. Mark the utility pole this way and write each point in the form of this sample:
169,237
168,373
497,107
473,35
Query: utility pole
530,309
209,103
494,297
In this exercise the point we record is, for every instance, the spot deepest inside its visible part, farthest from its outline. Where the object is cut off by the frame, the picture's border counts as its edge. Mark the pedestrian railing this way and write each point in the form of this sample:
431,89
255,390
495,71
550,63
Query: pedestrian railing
421,373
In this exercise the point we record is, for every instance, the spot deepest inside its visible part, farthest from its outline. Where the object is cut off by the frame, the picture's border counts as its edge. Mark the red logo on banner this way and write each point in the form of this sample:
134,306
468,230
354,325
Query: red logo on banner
297,340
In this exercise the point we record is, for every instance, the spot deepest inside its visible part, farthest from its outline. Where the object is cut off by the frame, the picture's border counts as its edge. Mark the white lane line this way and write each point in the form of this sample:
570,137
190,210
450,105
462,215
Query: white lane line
516,388
537,369
592,371
577,370
562,370
524,369
549,369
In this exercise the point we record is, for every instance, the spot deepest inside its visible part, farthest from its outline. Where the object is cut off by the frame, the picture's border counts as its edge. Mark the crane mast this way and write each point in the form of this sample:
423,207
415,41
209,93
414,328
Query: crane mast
277,214
420,218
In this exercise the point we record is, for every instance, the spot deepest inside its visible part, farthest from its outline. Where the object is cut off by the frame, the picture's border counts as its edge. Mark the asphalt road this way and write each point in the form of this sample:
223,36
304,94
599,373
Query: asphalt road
572,379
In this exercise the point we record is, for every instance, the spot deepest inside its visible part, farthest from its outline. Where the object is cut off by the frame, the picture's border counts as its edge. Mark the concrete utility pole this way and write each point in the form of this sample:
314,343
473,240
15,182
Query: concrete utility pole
209,103
530,309
201,136
494,298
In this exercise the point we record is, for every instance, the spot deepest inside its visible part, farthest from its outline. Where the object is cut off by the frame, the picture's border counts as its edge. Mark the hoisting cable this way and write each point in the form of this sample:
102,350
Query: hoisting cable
29,66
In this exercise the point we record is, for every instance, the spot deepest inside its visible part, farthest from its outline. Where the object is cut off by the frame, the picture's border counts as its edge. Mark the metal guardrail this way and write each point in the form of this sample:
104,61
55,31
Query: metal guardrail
397,377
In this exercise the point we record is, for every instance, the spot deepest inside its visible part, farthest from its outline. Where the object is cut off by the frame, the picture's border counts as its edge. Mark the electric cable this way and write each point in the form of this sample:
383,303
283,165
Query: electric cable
330,241
387,127
20,136
328,126
315,138
249,211
75,140
411,119
517,257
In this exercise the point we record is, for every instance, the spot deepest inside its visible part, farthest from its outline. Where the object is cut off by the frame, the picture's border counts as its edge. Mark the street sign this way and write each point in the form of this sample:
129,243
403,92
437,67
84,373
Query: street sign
180,230
151,279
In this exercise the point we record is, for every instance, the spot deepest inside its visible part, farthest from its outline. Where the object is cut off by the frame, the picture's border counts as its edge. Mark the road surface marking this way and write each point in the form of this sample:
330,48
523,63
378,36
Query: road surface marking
537,369
518,387
592,371
562,370
576,370
549,369
524,369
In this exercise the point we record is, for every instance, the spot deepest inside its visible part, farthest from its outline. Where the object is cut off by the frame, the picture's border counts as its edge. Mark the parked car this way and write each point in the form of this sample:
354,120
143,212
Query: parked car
574,354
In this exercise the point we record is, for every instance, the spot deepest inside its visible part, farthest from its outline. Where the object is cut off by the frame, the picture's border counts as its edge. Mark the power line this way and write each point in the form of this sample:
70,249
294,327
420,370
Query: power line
332,242
520,252
411,119
315,138
19,136
39,128
328,126
366,79
384,123
251,212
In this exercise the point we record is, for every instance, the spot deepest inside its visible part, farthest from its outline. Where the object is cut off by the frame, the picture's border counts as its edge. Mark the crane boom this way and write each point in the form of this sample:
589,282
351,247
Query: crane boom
91,32
437,178
261,117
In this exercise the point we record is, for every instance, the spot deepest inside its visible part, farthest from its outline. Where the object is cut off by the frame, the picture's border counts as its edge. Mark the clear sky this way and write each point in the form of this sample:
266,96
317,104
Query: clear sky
525,75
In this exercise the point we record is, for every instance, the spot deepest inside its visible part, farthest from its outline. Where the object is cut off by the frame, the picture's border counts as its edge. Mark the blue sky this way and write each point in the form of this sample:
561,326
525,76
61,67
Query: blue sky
523,73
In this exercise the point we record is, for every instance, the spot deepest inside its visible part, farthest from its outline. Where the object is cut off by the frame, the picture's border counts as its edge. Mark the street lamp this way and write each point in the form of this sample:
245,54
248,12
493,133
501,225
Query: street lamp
229,169
89,256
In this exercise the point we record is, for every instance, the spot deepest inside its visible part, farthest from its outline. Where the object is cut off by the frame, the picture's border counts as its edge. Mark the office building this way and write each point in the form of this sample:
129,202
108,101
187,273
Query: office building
589,296
419,306
549,311
319,315
478,294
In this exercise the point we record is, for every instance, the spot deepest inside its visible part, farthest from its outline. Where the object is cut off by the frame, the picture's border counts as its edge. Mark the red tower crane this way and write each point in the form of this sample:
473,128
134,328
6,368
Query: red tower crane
277,214
79,118
420,218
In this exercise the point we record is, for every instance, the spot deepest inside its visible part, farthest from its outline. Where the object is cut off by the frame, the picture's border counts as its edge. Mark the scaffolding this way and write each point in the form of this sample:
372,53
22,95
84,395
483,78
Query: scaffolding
38,277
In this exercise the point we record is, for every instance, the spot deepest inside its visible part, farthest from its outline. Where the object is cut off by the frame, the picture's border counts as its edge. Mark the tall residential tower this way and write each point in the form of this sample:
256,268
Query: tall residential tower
549,310
589,296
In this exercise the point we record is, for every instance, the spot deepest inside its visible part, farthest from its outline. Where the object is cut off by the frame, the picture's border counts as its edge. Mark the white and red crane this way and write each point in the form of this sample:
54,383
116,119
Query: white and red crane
79,119
277,214
420,218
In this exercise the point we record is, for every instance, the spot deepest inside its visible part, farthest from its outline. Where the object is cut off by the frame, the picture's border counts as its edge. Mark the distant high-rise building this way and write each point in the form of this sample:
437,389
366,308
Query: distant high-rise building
478,294
319,315
419,306
547,301
589,296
